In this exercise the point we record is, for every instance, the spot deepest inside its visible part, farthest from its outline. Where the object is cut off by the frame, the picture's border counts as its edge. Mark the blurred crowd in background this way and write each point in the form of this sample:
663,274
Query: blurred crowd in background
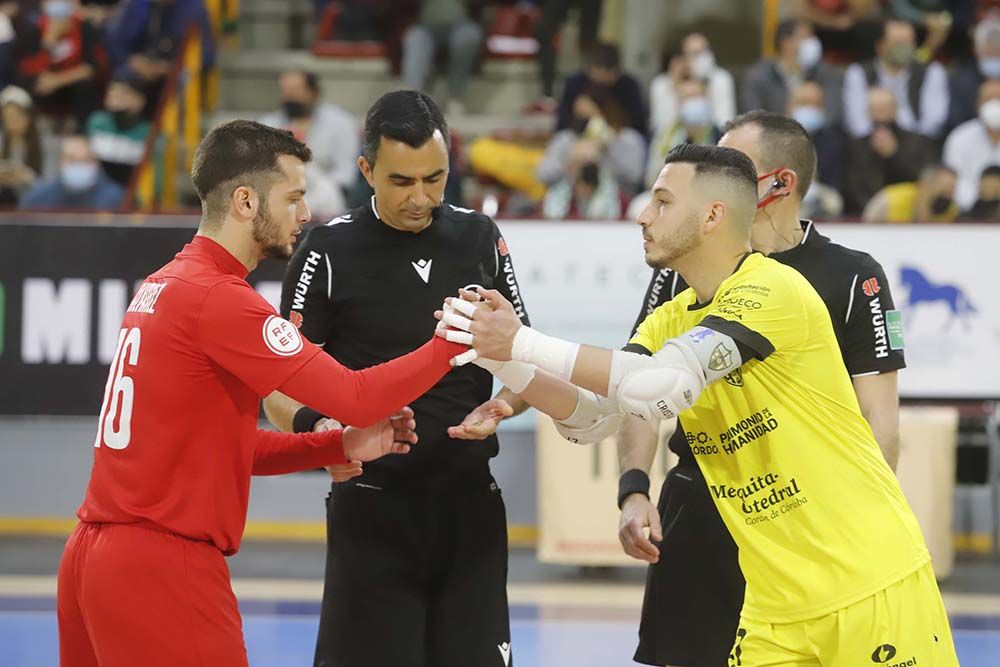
902,99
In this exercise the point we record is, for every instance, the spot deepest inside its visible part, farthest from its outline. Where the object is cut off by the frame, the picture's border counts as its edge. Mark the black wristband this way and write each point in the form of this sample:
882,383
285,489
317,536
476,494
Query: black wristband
305,419
632,481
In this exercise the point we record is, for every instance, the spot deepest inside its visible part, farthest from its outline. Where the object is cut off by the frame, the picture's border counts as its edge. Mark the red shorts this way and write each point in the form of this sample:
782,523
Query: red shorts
135,594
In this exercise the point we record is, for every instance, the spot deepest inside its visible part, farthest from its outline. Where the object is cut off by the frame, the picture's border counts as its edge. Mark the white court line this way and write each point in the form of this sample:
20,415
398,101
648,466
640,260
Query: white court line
580,595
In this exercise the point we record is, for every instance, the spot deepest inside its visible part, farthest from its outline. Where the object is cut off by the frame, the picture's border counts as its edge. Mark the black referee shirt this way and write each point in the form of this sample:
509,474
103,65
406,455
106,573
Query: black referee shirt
367,293
856,293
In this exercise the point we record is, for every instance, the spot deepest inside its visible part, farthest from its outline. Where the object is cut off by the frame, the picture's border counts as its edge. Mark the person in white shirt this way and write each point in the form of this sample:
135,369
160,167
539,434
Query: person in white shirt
697,61
333,135
975,145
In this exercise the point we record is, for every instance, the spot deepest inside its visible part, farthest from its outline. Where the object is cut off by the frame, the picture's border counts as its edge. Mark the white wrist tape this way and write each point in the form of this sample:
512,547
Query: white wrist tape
550,354
515,375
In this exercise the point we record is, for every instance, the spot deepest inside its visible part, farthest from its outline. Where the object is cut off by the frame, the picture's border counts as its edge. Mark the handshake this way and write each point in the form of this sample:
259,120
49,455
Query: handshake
587,391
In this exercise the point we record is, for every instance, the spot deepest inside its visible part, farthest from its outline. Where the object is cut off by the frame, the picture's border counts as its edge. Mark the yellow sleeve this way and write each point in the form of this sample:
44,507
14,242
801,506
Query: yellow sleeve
765,311
654,330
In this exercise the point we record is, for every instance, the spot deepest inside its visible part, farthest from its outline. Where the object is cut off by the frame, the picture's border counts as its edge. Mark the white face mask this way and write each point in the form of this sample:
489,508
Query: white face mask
810,52
696,111
79,176
702,64
989,113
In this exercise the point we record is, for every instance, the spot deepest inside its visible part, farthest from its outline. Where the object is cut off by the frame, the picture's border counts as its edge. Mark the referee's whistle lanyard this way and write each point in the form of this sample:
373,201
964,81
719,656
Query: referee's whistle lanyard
771,195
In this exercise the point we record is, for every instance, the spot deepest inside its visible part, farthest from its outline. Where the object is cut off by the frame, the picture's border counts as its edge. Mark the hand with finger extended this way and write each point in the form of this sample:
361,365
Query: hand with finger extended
638,514
490,331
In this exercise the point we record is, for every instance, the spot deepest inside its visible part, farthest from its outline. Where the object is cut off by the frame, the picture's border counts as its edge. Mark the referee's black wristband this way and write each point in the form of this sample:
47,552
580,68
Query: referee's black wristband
305,419
632,481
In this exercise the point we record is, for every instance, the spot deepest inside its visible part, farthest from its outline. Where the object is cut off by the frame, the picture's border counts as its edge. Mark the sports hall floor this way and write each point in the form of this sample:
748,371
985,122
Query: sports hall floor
559,615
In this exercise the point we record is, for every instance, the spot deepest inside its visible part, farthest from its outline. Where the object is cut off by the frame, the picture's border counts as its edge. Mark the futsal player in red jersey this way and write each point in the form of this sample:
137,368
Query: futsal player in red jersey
143,578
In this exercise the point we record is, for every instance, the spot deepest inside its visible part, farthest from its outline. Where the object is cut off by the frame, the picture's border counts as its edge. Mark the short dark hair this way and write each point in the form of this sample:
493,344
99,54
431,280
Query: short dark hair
602,54
720,162
784,30
783,143
716,160
240,152
992,170
408,116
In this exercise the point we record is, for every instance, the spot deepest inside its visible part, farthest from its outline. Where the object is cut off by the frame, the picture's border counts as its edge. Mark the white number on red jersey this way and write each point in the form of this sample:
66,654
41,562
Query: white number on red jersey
114,425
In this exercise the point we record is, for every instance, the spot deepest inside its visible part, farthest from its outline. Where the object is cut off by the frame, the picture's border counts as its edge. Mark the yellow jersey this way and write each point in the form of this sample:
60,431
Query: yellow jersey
792,465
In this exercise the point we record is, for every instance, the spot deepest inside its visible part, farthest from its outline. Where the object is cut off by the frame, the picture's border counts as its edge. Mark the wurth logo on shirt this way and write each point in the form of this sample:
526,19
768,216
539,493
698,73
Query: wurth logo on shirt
305,279
878,325
870,287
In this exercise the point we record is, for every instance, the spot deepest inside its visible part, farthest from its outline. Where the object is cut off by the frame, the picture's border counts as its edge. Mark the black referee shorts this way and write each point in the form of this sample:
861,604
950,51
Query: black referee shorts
416,576
694,593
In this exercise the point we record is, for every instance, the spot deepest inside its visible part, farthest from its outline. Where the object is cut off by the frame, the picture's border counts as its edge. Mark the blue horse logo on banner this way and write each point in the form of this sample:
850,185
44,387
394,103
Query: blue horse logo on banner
922,290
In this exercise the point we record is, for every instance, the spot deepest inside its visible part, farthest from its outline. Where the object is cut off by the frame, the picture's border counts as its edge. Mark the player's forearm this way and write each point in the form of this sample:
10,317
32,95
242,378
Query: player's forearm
584,366
886,431
360,398
637,445
280,410
281,453
547,393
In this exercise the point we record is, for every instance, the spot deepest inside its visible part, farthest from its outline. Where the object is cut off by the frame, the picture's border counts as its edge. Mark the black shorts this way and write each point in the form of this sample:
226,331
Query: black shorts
694,593
416,576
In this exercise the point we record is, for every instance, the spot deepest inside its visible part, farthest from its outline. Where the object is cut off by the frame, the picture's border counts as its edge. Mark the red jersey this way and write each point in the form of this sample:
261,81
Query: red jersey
197,350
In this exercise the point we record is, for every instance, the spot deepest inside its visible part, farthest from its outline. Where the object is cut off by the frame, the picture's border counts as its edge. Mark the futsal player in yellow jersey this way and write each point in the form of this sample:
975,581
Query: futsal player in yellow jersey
836,567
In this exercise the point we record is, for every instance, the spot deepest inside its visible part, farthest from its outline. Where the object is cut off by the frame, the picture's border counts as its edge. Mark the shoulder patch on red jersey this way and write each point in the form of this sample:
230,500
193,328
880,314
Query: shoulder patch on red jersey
871,287
502,247
281,337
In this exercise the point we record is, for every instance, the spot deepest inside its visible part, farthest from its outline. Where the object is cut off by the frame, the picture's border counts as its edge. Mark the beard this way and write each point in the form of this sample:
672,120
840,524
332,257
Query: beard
675,245
267,234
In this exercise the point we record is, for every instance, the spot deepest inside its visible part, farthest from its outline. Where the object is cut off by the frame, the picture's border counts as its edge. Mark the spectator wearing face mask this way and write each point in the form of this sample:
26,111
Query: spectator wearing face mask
842,25
806,105
694,125
888,155
921,90
694,60
968,75
975,144
333,135
766,85
987,206
929,199
118,133
81,184
597,133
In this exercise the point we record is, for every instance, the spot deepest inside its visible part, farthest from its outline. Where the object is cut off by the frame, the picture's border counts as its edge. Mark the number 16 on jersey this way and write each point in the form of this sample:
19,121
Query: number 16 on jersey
114,424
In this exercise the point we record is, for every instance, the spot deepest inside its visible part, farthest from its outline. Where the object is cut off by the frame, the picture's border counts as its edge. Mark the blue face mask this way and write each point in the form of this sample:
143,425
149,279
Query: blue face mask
811,118
79,176
58,9
696,111
990,67
810,52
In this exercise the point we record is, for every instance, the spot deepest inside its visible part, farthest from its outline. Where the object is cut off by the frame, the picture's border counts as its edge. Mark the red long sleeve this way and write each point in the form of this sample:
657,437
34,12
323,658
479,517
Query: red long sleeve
281,453
360,398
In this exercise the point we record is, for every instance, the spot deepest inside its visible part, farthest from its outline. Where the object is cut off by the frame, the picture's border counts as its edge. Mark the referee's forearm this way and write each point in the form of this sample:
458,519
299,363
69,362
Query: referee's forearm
637,441
280,410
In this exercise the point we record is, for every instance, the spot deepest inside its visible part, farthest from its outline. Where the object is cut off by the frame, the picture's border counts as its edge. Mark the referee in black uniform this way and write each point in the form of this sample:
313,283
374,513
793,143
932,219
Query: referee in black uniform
416,568
694,587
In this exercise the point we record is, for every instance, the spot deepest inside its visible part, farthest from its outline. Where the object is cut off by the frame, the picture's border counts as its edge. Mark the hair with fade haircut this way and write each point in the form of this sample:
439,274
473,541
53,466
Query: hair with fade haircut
727,164
240,153
408,116
783,143
604,55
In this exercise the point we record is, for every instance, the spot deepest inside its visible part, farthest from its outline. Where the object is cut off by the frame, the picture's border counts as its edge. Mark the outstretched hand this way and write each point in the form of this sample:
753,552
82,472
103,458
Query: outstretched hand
392,435
489,330
482,422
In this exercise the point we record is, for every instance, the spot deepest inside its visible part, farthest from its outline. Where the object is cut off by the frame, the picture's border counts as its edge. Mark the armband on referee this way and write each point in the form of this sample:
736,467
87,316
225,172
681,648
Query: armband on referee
305,420
632,481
